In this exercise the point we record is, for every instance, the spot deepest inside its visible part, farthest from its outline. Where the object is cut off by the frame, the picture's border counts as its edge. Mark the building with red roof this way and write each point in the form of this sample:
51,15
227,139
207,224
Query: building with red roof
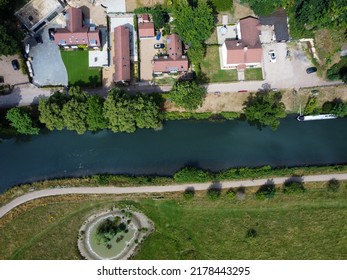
75,33
175,61
246,51
145,26
121,57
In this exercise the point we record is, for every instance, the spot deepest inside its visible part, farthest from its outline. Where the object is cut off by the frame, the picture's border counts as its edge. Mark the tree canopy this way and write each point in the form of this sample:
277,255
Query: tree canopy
8,44
194,24
125,113
188,95
264,109
21,121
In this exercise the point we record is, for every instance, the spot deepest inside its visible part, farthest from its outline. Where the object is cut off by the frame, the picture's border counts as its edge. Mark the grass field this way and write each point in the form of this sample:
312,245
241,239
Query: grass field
222,5
297,226
78,71
210,66
253,74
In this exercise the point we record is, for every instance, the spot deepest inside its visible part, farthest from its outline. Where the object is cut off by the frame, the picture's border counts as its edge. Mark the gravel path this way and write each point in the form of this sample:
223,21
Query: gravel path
160,189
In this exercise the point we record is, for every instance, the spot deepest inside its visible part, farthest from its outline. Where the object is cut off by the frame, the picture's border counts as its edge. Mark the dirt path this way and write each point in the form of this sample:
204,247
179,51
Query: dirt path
161,189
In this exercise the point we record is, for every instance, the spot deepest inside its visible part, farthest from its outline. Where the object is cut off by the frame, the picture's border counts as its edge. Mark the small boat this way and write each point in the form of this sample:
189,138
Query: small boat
302,118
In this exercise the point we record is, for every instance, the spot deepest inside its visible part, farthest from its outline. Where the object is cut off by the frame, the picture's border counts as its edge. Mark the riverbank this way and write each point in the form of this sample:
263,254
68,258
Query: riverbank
183,177
235,224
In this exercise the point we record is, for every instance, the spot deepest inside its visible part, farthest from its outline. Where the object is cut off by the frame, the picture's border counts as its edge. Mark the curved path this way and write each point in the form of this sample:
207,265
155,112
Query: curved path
160,189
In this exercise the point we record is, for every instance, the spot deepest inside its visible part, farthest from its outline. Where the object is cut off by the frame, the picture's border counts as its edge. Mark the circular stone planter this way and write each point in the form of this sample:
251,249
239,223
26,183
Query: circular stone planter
123,245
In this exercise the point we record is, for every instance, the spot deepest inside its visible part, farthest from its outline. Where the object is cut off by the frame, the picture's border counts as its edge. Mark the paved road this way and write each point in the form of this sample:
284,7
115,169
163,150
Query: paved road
161,189
28,95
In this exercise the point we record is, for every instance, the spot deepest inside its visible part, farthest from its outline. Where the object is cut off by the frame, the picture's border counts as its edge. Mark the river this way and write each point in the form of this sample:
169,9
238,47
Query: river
209,145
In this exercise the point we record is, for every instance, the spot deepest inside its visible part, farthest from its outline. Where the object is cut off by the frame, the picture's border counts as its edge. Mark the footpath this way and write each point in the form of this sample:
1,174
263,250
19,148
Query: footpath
162,189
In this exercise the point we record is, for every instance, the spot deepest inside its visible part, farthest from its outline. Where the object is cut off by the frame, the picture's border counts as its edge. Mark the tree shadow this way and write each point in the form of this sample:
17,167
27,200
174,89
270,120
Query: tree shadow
189,193
241,193
251,233
214,190
268,190
294,184
333,185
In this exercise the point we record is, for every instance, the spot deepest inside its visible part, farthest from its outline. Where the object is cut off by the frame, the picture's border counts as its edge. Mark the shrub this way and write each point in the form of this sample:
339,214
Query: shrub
266,191
230,194
190,174
333,185
292,187
189,193
213,192
251,233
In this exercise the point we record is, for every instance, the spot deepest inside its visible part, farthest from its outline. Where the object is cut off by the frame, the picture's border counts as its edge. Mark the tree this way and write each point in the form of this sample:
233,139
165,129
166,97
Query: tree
340,109
51,110
119,112
74,111
188,95
264,109
146,112
95,118
74,115
194,24
160,16
21,121
8,44
263,7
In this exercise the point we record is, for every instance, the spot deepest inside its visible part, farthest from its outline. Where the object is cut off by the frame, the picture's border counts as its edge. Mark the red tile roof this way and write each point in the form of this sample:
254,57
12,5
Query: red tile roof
170,65
174,61
145,17
248,49
146,29
75,33
238,52
174,46
121,57
250,31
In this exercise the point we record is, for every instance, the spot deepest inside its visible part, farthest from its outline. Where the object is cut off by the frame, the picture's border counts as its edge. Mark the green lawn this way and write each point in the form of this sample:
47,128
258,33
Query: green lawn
297,226
210,67
223,5
253,74
78,71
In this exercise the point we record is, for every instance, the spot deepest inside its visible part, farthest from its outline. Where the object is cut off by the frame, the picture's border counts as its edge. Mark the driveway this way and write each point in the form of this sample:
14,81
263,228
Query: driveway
12,77
48,66
288,72
147,52
162,189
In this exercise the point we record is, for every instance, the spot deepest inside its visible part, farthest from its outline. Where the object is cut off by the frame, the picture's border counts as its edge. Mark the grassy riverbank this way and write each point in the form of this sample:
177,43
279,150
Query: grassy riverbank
185,175
309,225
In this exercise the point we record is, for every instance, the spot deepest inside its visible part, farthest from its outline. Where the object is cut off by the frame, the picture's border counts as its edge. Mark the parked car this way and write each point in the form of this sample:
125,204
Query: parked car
15,64
272,55
38,39
51,32
159,46
310,70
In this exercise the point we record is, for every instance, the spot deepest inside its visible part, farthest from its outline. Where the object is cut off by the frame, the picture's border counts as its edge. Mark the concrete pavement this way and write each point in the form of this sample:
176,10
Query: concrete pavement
161,189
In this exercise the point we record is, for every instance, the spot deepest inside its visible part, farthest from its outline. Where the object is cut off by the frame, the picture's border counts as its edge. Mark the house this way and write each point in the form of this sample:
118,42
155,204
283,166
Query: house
246,50
36,14
75,33
278,21
145,27
174,61
121,57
